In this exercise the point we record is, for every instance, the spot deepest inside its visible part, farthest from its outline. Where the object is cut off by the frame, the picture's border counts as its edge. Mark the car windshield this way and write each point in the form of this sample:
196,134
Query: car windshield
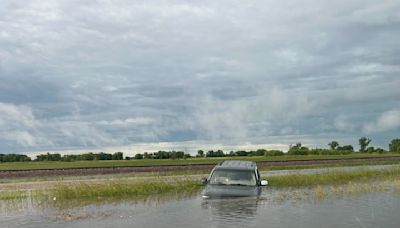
233,177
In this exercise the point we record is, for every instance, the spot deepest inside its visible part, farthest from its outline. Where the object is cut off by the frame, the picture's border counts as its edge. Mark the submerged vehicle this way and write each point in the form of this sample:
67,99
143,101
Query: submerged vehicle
233,178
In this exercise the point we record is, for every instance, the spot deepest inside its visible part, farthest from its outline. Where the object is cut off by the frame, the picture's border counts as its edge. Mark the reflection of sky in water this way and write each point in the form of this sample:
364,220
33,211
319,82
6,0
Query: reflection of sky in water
367,210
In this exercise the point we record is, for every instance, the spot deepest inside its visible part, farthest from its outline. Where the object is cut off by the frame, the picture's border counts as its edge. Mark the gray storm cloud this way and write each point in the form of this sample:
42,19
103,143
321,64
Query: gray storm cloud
97,74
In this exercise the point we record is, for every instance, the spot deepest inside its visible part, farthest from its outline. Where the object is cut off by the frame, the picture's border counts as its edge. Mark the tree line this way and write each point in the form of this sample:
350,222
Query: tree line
296,149
240,153
14,158
161,155
59,157
80,157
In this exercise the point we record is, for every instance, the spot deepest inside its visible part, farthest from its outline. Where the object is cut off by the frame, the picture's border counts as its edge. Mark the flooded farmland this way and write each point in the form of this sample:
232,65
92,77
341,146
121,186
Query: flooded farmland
274,208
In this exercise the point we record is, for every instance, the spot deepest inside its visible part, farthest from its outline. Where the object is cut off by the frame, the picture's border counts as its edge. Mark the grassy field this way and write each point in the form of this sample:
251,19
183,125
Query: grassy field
334,178
152,162
316,166
110,190
13,195
117,190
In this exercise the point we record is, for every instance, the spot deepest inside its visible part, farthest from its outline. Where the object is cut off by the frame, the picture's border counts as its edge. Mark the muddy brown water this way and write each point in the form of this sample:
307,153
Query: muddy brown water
378,209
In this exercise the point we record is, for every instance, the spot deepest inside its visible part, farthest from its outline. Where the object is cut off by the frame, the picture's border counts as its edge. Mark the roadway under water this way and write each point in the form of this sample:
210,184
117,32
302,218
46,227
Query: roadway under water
377,209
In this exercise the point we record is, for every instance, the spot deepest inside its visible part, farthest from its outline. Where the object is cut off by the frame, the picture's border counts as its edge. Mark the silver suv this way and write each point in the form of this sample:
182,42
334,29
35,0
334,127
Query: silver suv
233,178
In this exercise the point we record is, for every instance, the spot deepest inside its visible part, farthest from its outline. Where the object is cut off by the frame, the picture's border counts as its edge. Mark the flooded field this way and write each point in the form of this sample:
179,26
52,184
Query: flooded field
326,170
274,208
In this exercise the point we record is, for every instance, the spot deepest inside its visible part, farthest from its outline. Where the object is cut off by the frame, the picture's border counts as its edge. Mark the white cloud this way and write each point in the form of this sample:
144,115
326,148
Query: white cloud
128,121
270,111
25,138
140,120
14,115
389,120
342,123
19,126
102,73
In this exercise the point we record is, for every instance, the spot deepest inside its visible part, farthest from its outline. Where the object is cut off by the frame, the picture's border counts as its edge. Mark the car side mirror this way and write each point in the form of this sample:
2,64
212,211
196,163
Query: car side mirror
204,180
264,183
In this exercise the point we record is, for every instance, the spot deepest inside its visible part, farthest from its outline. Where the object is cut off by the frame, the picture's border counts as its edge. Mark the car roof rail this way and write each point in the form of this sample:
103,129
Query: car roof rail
238,163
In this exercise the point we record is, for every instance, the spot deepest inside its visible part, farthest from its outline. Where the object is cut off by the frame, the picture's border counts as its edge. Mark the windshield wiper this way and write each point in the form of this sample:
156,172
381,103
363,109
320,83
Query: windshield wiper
219,183
239,185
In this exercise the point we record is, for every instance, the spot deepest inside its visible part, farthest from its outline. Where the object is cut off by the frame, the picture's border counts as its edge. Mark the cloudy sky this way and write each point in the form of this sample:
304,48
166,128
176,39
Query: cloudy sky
106,75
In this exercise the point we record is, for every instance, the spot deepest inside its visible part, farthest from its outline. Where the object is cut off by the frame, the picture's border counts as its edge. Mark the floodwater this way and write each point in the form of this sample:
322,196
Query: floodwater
326,170
273,208
377,209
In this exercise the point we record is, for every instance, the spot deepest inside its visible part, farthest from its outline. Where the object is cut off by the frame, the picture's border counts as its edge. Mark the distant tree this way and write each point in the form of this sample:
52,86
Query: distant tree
298,149
380,150
14,158
394,146
48,157
363,141
333,145
200,153
296,146
212,153
273,153
118,156
102,156
182,154
260,152
241,153
138,156
370,149
68,158
345,148
147,155
88,157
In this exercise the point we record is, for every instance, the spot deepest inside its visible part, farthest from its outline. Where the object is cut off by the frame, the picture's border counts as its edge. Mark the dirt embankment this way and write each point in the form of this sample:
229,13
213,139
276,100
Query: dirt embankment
167,168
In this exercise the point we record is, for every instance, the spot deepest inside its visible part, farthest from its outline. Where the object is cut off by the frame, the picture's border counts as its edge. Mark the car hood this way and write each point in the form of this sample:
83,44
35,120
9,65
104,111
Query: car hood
230,191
